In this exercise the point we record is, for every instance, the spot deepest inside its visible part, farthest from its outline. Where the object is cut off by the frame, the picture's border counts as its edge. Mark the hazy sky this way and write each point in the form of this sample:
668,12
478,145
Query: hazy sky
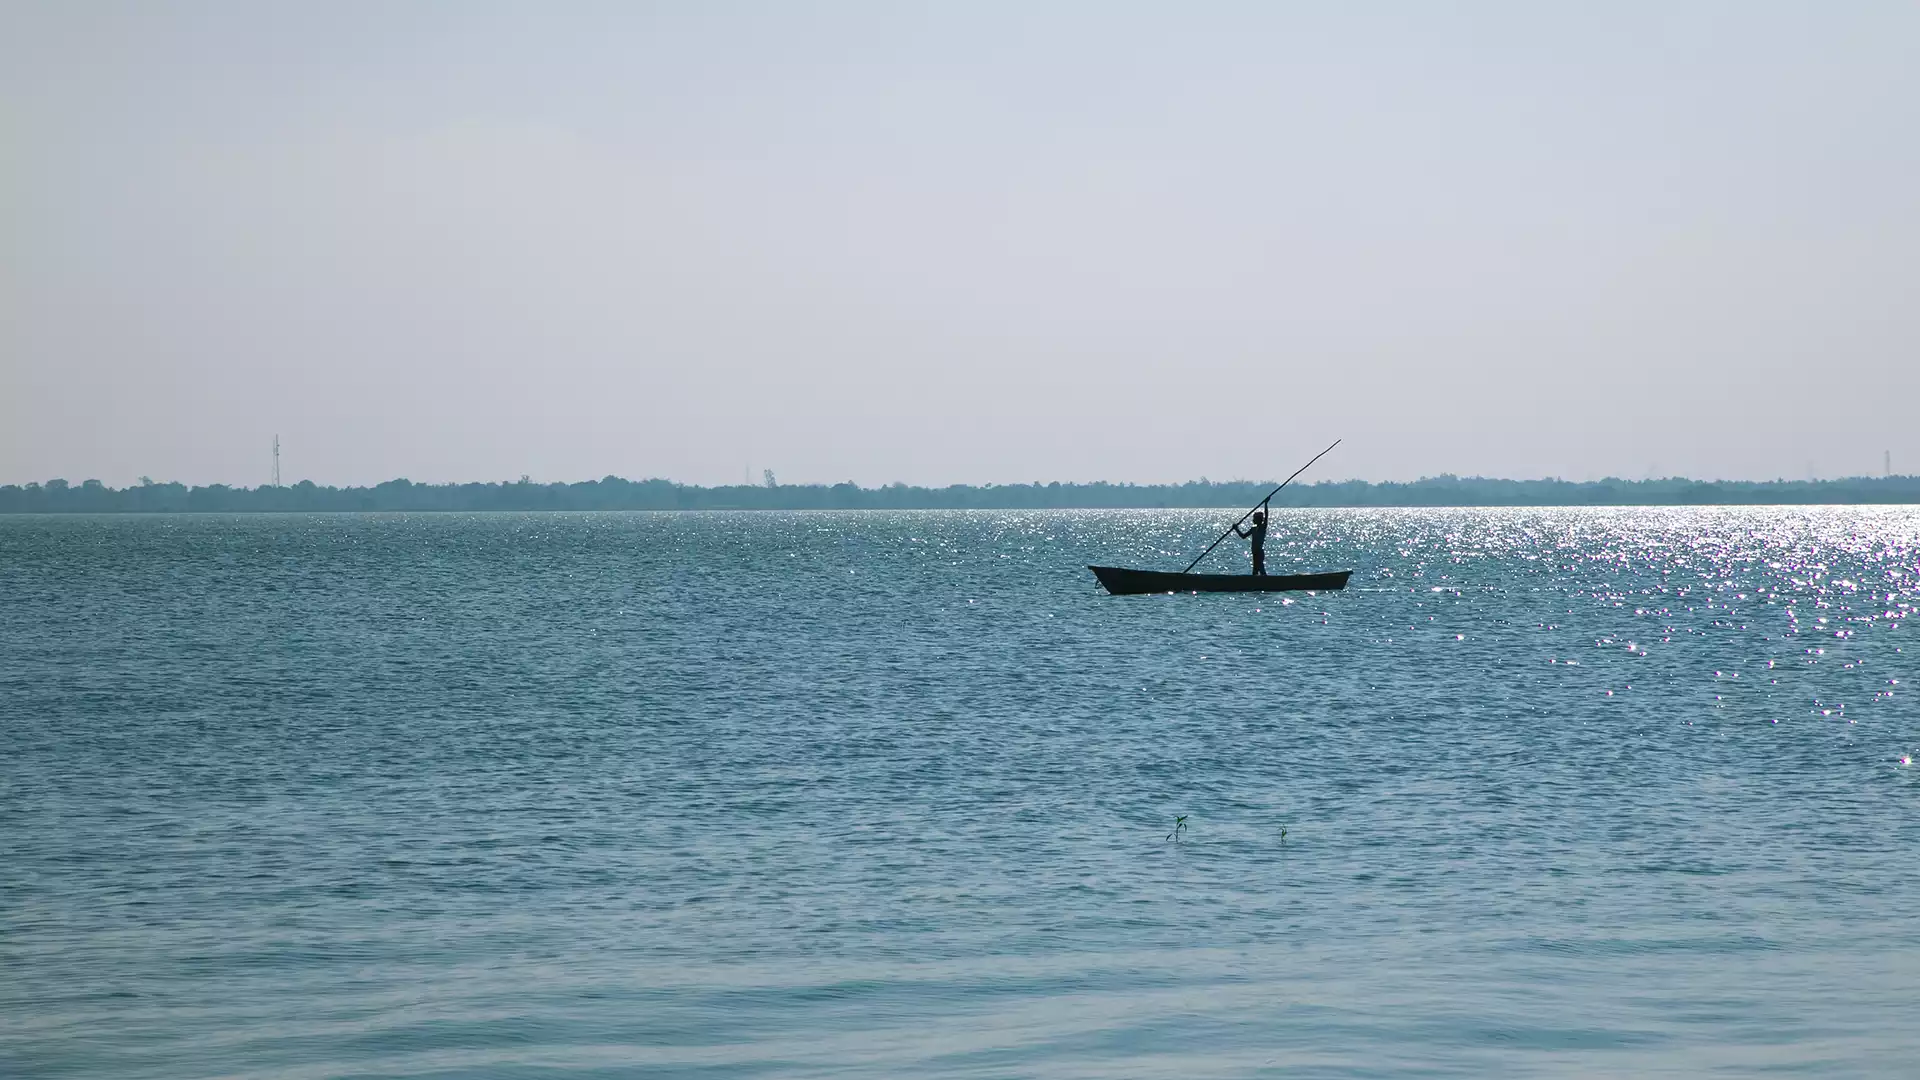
957,242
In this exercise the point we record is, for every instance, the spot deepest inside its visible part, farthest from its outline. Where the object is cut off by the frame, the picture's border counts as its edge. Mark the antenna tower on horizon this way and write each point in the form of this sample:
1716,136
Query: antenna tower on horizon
276,461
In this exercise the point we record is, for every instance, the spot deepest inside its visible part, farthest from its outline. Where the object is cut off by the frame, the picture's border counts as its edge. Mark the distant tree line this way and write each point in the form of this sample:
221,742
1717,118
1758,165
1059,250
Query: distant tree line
614,493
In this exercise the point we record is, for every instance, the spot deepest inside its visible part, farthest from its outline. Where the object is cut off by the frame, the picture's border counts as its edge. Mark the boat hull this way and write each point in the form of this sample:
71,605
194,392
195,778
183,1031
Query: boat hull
1121,581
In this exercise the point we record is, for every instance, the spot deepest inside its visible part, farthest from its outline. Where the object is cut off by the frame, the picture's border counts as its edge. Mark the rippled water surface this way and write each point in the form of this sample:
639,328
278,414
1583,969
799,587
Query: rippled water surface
1580,792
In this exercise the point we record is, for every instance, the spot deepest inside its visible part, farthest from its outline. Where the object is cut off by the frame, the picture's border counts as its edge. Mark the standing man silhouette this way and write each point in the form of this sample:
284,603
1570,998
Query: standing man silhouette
1258,534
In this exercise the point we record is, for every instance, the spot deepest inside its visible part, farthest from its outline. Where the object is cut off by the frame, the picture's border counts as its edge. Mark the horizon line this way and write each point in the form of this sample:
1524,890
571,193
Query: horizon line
525,480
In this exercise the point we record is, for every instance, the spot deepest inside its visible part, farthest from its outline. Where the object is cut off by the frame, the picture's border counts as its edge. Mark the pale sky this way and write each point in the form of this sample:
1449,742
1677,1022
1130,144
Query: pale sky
962,242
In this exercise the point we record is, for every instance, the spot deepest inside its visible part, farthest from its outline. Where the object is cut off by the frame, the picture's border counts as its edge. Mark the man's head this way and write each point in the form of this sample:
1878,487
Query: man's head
1259,518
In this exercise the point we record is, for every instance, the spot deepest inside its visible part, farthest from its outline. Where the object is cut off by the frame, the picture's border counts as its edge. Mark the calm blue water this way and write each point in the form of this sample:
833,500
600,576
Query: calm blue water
1565,792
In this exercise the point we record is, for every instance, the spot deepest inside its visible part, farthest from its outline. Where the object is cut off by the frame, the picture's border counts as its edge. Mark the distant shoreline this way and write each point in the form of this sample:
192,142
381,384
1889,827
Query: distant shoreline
613,493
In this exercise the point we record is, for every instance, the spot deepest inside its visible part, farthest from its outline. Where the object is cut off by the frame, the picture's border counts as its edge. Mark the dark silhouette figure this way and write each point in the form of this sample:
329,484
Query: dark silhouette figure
1258,534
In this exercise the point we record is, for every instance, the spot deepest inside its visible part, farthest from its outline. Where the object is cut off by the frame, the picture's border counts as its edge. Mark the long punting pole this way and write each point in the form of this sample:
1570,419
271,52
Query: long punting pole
1258,505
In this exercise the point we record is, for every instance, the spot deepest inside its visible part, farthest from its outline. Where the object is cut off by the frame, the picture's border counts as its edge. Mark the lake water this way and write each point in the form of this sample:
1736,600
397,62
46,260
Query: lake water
1544,792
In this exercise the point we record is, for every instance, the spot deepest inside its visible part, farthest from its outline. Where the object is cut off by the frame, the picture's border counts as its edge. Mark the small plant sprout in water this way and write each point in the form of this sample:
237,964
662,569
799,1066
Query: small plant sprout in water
1179,828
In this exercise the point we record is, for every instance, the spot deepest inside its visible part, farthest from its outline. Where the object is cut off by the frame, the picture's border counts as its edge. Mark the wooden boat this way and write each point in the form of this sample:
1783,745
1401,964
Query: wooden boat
1121,581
